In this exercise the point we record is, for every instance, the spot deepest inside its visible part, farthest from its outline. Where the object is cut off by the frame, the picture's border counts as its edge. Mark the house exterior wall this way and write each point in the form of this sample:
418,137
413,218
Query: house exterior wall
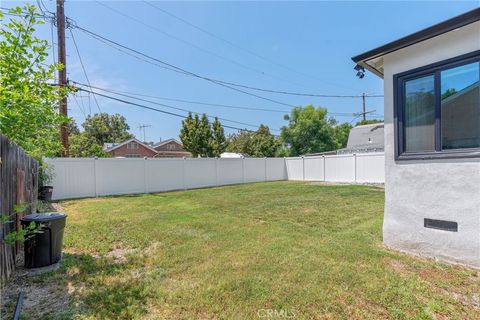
435,189
172,150
124,151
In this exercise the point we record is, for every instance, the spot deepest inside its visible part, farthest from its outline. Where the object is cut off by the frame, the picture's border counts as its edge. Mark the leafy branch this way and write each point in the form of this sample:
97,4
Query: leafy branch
25,232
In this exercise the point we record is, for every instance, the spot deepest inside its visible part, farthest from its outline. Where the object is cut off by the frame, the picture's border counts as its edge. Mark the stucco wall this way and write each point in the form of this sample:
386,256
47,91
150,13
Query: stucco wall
436,189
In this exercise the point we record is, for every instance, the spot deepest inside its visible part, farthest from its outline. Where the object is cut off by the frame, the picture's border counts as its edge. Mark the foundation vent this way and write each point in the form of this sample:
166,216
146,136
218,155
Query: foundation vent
440,225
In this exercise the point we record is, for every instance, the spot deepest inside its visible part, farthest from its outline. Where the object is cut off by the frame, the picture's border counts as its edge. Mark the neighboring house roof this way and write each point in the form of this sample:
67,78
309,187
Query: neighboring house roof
372,59
108,145
161,143
113,146
366,135
366,138
465,90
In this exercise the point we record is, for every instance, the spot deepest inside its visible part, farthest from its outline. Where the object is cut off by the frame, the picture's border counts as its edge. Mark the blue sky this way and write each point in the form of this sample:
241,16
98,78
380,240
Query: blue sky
307,47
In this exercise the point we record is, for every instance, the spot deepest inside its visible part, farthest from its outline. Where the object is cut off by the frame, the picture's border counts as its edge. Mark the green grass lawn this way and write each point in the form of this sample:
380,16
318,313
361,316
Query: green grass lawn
266,250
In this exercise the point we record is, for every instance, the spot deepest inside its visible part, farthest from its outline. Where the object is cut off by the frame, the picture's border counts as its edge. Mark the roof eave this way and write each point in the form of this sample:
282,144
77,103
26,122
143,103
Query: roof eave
414,38
371,69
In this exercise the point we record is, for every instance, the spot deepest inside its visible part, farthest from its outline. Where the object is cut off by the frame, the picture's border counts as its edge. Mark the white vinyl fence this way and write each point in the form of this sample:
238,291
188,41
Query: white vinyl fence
351,168
89,177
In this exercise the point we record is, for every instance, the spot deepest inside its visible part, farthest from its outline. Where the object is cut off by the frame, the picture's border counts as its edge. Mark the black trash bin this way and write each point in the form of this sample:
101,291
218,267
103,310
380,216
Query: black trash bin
44,248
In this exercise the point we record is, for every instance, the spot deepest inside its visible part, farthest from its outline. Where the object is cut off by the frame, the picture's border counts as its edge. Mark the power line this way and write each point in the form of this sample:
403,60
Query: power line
79,107
130,94
226,84
155,109
167,106
84,71
174,68
297,93
83,105
192,44
190,101
213,35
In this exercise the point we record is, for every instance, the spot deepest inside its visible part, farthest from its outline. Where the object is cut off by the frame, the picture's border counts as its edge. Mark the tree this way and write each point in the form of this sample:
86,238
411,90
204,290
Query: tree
341,133
264,143
98,129
104,128
449,92
187,134
201,138
72,127
204,137
218,142
82,146
260,143
241,143
309,131
28,101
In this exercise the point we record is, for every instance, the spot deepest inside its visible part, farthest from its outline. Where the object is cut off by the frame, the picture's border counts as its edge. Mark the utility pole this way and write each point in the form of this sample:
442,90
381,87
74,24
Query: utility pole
62,74
364,111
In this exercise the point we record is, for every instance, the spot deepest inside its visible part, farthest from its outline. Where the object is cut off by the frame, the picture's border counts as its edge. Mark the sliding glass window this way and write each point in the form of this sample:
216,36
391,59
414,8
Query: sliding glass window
437,110
460,90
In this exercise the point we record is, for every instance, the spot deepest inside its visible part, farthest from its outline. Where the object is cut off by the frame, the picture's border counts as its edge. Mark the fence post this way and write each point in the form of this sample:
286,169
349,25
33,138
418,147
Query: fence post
303,168
324,169
355,167
95,176
145,174
183,173
265,164
216,171
243,169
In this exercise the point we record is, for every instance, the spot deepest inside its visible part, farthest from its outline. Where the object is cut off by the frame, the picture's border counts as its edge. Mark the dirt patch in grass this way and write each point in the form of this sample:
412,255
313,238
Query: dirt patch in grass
119,255
381,186
447,281
40,298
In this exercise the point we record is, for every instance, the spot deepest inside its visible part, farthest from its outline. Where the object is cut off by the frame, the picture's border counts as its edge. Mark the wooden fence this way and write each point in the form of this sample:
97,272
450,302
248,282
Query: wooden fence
18,185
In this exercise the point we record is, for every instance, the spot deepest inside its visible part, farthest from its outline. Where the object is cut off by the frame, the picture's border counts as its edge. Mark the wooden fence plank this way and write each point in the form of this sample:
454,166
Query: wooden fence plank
18,184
